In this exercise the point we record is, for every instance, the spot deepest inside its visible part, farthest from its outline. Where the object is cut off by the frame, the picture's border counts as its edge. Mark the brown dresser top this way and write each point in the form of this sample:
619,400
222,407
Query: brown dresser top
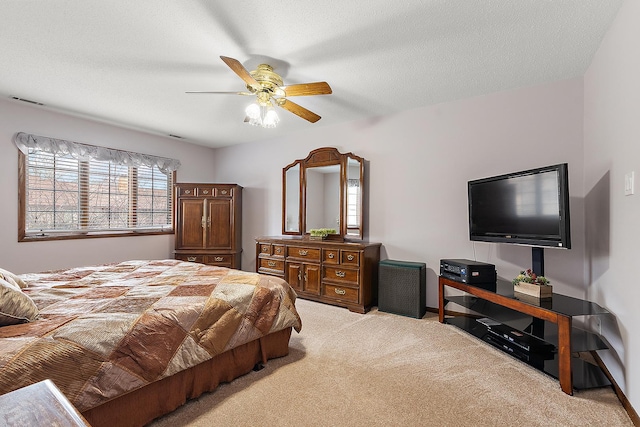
302,241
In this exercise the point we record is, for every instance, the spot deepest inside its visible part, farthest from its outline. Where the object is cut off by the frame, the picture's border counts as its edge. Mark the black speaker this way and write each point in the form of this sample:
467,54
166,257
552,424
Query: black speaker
402,288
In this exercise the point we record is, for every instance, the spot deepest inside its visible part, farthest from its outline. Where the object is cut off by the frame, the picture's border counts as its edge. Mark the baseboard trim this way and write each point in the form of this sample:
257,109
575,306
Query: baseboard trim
635,419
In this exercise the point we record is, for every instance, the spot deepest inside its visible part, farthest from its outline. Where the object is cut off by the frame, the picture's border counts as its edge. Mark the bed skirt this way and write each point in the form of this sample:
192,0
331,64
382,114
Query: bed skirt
141,406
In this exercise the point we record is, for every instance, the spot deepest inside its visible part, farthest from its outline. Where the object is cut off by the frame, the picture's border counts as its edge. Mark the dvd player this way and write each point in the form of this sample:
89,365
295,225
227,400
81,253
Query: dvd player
523,341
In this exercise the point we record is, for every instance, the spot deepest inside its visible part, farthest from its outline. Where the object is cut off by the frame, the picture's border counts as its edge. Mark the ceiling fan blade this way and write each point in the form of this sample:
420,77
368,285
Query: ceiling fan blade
242,72
298,110
304,89
220,93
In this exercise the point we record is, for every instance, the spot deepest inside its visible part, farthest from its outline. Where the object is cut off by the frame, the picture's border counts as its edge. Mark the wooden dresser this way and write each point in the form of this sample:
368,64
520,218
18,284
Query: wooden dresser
338,273
209,223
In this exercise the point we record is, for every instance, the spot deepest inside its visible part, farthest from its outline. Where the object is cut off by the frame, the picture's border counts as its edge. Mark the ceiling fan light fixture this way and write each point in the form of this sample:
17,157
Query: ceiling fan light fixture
267,86
253,111
261,115
271,118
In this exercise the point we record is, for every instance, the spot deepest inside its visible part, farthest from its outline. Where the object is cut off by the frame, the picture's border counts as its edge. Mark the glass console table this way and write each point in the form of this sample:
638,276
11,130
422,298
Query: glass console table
549,320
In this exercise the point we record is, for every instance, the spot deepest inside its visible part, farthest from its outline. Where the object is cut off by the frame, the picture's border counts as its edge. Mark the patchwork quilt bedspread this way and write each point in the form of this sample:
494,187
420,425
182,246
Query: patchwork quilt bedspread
106,330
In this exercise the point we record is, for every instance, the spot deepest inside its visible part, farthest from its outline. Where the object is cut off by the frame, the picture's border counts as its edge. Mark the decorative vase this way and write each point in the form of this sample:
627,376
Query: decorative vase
534,290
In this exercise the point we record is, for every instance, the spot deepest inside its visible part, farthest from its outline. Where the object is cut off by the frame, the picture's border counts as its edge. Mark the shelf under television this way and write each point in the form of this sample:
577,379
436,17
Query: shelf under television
585,374
581,340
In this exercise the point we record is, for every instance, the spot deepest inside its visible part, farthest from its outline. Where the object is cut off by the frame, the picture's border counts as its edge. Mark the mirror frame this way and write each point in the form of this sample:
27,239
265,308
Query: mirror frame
325,156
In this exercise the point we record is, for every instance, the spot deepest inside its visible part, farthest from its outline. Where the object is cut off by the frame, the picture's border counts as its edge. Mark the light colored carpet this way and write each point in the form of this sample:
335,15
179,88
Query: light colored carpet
380,369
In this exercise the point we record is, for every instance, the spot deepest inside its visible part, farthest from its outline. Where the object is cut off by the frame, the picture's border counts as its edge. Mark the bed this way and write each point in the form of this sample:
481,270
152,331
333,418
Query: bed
129,342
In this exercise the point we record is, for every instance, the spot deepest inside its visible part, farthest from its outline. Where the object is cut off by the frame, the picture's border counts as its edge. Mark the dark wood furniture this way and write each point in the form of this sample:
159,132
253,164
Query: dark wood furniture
333,272
208,223
37,404
325,190
549,320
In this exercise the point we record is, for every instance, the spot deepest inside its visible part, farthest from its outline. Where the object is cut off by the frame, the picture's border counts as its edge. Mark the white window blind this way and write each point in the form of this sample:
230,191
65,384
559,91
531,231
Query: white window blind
72,192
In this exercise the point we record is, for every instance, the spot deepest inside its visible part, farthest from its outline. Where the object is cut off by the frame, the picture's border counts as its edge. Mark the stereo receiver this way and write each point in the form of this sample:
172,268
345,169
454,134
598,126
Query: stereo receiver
474,273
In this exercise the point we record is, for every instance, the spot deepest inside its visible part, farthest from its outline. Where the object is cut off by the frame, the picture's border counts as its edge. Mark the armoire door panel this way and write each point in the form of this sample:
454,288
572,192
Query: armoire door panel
191,233
219,235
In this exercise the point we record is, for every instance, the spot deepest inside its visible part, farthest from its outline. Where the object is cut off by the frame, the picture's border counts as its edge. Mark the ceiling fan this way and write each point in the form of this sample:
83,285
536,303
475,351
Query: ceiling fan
269,90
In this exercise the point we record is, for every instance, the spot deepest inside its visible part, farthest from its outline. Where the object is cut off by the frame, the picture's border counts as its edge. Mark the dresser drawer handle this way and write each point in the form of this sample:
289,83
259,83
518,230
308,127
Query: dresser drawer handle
265,249
223,192
350,257
218,258
271,263
339,291
278,250
340,273
205,191
187,191
191,258
331,255
303,252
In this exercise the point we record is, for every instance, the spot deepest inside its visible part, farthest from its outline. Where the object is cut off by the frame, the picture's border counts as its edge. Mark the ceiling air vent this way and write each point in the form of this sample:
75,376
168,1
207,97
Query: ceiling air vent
27,100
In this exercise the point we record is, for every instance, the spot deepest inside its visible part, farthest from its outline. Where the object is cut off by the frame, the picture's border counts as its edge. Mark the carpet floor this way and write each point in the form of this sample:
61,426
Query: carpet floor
381,369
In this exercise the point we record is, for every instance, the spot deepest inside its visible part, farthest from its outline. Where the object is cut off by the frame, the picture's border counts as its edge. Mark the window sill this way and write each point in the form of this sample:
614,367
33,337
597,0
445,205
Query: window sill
89,235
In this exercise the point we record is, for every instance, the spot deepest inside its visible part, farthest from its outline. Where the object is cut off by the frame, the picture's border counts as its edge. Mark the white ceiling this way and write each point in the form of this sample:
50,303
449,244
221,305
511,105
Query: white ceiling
130,62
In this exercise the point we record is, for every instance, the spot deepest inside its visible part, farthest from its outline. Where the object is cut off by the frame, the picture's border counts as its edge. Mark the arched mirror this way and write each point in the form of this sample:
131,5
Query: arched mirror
324,191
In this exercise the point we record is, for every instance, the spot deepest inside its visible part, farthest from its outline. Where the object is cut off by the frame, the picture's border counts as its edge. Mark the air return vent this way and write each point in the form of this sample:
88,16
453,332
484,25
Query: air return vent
27,100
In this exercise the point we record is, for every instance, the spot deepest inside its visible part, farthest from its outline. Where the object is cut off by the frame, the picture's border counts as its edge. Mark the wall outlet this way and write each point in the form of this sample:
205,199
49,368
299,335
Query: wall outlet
629,183
598,325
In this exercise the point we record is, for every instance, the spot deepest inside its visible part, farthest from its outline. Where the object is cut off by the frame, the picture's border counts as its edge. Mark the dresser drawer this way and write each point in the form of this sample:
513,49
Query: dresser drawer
269,249
272,264
331,256
340,275
310,254
350,258
265,249
340,292
221,260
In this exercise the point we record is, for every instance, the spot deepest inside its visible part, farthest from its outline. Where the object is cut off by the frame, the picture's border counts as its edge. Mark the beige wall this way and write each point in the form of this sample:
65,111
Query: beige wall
419,163
37,256
612,149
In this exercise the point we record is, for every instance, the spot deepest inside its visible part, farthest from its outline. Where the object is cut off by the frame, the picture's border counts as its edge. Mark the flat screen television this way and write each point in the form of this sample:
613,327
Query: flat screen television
530,207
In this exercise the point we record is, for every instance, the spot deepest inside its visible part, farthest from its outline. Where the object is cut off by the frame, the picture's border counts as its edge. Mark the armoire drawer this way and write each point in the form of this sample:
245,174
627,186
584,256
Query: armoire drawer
191,258
221,260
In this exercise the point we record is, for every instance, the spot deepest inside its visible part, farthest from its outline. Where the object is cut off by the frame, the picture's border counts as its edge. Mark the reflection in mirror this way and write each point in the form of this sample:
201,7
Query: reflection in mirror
292,199
354,196
323,197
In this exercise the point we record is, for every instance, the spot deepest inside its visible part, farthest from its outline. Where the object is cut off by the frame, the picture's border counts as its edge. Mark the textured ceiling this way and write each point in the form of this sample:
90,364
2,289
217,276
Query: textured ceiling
130,62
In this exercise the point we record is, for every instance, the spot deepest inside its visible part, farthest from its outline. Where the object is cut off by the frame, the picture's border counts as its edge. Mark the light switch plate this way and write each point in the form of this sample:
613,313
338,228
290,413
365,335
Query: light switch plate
629,183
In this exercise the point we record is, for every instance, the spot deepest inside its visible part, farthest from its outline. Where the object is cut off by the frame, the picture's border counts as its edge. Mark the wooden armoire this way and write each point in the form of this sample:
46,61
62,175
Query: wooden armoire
209,223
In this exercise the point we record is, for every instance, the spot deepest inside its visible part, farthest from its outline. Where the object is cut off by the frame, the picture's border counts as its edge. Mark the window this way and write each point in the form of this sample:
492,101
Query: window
89,191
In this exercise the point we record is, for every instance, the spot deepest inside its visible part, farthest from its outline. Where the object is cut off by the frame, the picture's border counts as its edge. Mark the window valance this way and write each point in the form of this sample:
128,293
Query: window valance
86,152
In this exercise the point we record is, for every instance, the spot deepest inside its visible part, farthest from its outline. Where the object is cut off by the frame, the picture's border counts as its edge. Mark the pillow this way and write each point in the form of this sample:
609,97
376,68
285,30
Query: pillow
15,305
10,277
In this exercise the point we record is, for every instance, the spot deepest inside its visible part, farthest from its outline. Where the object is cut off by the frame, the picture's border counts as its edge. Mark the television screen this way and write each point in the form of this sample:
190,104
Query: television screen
529,207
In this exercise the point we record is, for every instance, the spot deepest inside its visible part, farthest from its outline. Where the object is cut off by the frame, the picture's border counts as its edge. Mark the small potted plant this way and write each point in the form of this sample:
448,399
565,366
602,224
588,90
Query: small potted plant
320,233
529,283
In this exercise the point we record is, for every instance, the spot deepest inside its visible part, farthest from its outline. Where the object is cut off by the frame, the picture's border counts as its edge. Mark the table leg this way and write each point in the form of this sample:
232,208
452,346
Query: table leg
564,354
441,301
